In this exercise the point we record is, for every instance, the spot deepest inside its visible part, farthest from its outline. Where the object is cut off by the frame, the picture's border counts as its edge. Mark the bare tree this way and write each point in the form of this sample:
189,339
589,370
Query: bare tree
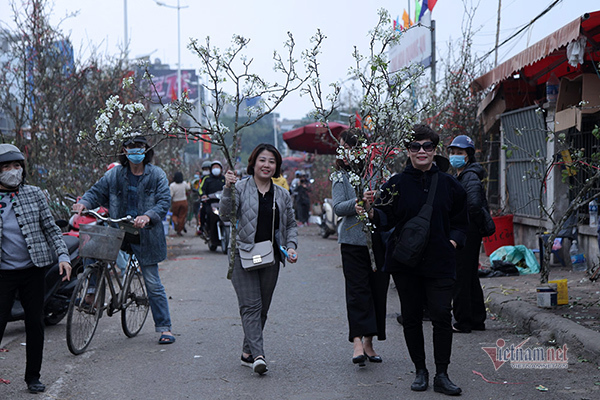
231,82
50,97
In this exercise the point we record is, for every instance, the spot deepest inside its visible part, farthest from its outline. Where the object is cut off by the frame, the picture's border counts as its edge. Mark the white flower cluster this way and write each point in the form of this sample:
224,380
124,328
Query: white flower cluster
336,176
354,179
127,82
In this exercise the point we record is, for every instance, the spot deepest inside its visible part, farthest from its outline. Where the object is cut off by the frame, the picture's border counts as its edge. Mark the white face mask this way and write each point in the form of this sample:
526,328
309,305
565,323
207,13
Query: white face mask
216,171
11,178
205,172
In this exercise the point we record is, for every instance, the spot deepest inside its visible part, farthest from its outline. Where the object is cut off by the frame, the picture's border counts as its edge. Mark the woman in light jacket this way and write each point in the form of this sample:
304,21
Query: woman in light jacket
366,290
254,198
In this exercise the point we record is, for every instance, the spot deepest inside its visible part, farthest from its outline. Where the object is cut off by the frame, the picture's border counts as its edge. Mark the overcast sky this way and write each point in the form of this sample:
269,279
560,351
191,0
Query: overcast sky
152,29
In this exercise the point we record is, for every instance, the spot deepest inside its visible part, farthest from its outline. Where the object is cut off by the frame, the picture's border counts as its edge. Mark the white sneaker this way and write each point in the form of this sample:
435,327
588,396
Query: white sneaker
260,365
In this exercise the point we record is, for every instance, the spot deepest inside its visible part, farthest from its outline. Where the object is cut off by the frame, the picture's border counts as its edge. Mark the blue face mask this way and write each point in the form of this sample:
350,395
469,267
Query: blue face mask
136,155
458,161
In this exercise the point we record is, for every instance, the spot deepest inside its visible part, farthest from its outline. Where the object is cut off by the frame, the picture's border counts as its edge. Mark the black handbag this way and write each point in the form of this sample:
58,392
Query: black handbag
489,227
414,235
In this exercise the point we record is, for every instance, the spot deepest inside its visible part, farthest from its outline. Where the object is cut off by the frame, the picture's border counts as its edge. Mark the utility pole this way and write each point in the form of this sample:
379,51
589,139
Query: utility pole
126,44
433,61
497,34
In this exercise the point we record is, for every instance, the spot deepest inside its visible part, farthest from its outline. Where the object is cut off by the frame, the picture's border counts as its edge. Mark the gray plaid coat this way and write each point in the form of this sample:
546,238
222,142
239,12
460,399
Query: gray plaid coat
43,237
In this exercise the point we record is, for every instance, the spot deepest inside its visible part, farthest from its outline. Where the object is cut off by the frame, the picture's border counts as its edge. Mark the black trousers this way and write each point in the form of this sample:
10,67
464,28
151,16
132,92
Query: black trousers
30,285
414,292
468,304
366,293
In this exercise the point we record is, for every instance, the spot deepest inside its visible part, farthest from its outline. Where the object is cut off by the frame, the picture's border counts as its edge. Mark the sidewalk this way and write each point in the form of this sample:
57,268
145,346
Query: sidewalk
577,324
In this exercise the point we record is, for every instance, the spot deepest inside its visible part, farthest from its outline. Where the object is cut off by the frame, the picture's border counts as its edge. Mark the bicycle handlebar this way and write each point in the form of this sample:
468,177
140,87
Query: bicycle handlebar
127,218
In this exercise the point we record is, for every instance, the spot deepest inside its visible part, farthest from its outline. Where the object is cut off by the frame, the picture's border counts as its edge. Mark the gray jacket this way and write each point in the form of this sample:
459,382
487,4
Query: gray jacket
247,214
350,231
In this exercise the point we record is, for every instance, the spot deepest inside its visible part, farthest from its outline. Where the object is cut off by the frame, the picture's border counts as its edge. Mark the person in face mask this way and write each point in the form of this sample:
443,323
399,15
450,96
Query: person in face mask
211,184
30,242
140,189
468,303
214,182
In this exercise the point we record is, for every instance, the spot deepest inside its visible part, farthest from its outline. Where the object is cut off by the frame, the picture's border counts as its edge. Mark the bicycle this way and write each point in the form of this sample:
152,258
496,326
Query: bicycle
88,302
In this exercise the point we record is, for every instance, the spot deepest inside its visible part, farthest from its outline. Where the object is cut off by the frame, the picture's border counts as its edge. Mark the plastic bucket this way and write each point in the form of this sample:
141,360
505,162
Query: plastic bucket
504,235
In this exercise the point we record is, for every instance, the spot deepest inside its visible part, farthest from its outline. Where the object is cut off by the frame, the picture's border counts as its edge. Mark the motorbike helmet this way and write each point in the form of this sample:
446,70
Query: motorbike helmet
206,164
216,162
466,143
463,142
9,152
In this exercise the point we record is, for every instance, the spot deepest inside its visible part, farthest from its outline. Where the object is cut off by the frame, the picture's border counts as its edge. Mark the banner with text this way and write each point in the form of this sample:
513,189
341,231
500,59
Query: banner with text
414,46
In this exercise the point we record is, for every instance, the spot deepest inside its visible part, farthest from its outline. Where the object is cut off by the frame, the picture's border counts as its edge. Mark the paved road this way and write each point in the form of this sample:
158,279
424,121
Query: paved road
305,340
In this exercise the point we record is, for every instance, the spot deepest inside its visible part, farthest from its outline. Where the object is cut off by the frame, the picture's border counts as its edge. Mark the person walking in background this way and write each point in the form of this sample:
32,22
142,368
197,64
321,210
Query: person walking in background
281,181
366,290
303,202
179,204
432,280
468,304
256,196
140,189
30,242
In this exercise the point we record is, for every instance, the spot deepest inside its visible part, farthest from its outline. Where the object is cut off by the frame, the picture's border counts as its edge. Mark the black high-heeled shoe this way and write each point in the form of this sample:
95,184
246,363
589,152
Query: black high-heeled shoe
374,359
360,360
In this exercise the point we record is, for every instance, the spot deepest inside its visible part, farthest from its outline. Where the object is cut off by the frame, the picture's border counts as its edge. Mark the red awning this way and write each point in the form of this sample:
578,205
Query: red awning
314,138
537,62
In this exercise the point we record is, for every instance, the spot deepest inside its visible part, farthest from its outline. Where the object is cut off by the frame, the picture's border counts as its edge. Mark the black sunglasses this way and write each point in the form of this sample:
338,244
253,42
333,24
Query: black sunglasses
414,147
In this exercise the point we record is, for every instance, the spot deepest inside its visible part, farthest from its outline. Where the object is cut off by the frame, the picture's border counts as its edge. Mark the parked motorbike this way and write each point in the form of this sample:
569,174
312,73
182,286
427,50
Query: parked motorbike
58,292
329,221
215,231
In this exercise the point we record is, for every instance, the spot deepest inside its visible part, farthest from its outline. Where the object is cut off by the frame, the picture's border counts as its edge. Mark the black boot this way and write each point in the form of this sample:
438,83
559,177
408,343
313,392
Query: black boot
443,384
421,382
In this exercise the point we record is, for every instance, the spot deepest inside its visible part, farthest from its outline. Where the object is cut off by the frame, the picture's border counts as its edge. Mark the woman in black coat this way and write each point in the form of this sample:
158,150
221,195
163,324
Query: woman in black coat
432,280
468,304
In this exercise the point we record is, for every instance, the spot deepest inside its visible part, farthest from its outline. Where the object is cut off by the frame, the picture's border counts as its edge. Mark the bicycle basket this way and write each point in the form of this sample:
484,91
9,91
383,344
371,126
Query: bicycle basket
100,242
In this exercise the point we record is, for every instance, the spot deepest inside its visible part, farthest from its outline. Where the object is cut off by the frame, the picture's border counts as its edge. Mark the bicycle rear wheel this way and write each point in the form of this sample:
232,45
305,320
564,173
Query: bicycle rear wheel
136,304
85,309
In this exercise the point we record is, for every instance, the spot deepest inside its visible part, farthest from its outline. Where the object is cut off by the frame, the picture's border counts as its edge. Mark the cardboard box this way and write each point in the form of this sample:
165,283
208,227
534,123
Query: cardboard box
546,297
569,107
562,291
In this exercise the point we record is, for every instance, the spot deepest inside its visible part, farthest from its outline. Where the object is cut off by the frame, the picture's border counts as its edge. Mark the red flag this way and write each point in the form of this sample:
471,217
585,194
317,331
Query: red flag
431,4
357,121
206,146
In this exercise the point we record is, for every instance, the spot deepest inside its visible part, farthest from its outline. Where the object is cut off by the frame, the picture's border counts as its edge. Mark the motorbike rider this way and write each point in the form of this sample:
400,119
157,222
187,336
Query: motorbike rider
30,241
197,206
211,184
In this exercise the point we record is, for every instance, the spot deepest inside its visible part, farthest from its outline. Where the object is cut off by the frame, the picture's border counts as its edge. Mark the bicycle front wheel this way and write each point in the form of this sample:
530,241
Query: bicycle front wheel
135,305
85,309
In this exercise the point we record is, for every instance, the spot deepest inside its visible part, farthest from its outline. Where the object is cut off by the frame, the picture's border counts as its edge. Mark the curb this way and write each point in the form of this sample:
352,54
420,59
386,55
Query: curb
582,341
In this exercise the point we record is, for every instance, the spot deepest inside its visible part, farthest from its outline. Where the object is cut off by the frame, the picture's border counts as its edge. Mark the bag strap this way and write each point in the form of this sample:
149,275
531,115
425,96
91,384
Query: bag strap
273,225
432,189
